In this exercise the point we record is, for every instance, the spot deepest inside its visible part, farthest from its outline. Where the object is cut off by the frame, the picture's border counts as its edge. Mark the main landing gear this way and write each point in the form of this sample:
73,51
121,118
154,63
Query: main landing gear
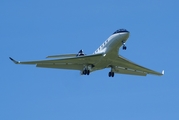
86,72
111,74
124,46
87,69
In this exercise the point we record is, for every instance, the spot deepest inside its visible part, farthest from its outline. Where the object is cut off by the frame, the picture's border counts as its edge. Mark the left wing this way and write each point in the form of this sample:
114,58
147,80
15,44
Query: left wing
125,66
75,63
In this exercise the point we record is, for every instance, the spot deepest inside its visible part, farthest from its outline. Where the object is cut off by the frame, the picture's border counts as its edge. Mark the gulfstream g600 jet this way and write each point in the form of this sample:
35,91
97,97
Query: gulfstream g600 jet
106,56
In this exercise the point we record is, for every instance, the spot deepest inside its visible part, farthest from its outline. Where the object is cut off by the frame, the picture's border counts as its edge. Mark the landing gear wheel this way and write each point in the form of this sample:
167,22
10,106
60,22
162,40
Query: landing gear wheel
124,47
88,72
112,74
84,72
109,74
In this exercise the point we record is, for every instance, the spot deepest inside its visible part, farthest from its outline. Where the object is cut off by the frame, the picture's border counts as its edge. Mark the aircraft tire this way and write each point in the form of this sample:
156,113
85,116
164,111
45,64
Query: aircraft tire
109,74
88,72
112,74
124,48
84,72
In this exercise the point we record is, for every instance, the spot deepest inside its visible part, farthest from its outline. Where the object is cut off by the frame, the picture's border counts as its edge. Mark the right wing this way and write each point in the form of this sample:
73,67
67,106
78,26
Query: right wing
125,66
75,63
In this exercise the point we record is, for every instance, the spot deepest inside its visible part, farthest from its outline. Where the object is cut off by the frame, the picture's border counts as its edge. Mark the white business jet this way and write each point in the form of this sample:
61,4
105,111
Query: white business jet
106,56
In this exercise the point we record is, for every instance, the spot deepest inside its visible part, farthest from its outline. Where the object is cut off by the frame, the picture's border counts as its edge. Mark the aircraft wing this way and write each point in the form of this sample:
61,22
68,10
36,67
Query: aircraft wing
125,66
75,63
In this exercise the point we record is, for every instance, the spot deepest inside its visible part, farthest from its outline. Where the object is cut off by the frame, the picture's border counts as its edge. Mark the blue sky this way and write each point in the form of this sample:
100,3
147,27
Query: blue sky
32,30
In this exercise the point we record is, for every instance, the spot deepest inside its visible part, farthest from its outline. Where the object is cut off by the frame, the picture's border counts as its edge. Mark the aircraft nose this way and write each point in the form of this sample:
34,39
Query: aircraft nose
125,34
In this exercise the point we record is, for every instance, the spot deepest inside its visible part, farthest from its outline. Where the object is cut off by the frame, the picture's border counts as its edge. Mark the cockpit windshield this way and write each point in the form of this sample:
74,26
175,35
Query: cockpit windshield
120,31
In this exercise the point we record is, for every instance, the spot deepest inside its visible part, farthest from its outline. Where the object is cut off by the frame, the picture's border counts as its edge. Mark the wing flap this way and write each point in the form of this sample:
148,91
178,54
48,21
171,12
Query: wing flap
64,55
129,72
61,66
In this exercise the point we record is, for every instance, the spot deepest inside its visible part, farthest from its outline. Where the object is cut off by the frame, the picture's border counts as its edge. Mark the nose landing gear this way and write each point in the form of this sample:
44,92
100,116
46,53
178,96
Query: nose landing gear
124,46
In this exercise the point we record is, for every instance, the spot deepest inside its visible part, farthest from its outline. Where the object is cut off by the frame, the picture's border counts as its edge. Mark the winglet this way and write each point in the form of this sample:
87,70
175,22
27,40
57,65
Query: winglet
16,62
163,72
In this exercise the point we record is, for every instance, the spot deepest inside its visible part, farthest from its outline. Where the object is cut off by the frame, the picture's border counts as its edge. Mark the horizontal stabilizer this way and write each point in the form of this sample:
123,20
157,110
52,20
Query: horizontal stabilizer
16,62
64,55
